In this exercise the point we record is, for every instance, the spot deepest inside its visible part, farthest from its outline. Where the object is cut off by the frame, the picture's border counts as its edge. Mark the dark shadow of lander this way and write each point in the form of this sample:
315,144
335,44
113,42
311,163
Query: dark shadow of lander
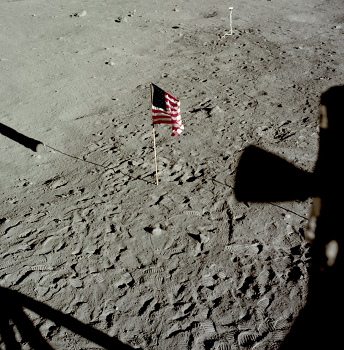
264,177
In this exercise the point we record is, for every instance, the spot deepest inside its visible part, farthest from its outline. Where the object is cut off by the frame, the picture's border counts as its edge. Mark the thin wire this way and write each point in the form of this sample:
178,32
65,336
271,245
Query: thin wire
142,178
291,211
96,164
83,160
276,205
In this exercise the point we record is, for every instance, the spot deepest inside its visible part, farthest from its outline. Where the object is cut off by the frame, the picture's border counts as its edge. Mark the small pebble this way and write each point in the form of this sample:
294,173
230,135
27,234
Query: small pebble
83,13
157,231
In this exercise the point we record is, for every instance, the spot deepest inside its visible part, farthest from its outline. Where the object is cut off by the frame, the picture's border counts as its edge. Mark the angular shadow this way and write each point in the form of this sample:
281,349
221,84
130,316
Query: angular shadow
263,177
14,135
12,304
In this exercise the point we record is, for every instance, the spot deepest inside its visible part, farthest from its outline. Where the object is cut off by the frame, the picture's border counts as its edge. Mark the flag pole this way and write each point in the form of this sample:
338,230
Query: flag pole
230,20
154,143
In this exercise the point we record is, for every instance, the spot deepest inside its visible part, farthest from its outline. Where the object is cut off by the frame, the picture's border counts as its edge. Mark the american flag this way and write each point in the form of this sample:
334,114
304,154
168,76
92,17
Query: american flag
166,110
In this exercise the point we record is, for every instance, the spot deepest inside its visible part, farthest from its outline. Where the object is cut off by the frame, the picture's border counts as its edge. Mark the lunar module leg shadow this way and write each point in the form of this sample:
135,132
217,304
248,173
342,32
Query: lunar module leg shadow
264,177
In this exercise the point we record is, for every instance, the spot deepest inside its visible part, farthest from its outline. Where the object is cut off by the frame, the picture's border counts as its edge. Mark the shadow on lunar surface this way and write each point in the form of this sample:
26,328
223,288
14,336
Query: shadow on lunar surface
260,174
33,144
259,178
20,138
12,305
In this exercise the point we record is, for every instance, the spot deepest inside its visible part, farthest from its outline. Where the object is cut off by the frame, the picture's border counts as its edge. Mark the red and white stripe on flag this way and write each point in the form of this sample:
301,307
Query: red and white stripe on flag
166,110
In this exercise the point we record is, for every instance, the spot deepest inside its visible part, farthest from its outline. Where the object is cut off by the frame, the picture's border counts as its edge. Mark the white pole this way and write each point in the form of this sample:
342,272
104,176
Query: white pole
230,20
